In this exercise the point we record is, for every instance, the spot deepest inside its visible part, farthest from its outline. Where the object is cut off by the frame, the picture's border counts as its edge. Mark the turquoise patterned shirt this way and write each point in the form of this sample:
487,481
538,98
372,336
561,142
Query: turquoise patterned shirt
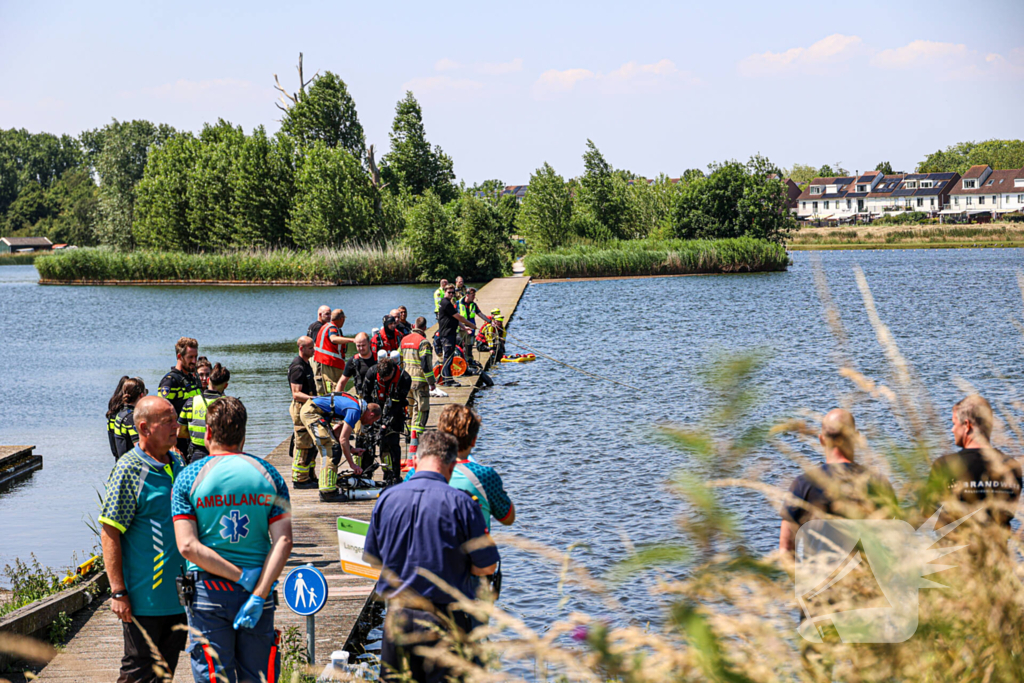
138,504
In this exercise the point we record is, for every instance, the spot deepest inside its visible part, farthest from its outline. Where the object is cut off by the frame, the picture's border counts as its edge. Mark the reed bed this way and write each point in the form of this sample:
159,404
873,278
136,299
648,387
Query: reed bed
349,265
674,257
18,259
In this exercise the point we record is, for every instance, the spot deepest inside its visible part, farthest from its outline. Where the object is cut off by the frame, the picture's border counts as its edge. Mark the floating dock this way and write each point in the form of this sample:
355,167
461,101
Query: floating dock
94,650
17,463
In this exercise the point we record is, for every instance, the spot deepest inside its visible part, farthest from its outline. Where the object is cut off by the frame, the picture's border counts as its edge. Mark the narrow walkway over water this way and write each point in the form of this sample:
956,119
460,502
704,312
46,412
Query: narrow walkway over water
94,651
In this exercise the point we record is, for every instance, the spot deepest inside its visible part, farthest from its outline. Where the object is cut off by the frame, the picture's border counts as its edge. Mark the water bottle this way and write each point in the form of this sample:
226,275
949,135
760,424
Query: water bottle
338,670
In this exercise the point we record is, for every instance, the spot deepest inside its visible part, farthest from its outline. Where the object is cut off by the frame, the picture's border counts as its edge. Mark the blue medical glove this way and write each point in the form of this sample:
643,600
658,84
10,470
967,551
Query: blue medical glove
250,577
250,613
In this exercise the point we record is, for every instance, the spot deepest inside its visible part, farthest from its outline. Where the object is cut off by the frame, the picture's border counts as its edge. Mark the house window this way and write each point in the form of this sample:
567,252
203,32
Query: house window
849,204
993,199
970,184
1020,199
862,188
815,189
956,201
981,199
932,202
911,185
803,205
826,205
970,200
814,206
920,201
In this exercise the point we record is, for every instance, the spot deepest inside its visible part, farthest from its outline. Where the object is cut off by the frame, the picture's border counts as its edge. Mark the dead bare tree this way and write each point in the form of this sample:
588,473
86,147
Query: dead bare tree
288,99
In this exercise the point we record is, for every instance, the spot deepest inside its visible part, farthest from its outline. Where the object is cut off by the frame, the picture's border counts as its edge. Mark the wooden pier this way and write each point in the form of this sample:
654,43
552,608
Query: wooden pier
17,463
94,650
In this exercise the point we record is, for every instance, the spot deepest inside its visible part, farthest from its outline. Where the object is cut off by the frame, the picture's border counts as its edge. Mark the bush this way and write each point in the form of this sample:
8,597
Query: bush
645,257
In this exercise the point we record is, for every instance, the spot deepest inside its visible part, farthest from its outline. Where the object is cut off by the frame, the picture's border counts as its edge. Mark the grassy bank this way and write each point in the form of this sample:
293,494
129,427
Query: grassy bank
907,237
674,257
363,266
18,259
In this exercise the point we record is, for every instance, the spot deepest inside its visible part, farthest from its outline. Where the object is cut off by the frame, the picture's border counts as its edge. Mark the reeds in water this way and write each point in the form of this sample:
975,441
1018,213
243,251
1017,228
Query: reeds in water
349,265
674,257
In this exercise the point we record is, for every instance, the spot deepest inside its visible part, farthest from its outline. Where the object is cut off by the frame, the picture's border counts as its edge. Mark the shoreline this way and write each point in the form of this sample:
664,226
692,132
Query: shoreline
906,245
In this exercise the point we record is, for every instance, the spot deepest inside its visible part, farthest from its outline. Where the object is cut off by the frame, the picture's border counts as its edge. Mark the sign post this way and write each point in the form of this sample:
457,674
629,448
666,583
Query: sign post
305,592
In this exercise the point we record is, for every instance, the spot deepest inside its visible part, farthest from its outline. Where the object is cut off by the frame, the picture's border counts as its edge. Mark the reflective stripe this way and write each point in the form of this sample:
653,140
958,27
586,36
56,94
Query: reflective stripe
197,420
209,662
327,352
468,474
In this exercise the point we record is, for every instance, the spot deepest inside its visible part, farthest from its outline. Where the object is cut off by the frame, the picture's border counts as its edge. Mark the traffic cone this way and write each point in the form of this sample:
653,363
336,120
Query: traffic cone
414,444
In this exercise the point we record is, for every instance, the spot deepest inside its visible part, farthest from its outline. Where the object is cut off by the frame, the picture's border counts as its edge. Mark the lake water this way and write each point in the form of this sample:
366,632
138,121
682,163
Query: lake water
579,456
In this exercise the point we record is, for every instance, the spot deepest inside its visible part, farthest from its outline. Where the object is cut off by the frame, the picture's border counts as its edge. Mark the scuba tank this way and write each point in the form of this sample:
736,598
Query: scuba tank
359,494
359,483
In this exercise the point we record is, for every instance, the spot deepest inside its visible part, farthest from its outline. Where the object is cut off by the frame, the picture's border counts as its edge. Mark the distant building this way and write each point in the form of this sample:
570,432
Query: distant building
13,245
984,193
873,194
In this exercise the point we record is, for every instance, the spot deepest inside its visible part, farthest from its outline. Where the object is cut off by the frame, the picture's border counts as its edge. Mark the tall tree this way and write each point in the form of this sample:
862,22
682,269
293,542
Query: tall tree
210,193
430,233
334,201
41,158
412,163
885,167
326,113
263,187
600,198
802,174
120,164
484,237
546,212
999,154
162,196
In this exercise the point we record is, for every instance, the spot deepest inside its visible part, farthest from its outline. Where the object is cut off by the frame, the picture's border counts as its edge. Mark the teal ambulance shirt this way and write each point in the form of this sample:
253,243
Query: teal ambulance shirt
138,504
233,499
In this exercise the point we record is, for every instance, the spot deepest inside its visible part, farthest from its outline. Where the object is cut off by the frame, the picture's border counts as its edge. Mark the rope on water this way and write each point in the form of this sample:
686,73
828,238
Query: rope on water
571,367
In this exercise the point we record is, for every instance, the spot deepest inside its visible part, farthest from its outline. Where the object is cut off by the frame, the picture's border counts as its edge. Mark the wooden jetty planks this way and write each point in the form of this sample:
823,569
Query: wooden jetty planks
94,651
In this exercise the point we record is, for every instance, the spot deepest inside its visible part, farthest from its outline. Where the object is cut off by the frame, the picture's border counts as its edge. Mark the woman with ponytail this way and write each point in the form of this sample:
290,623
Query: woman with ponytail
125,436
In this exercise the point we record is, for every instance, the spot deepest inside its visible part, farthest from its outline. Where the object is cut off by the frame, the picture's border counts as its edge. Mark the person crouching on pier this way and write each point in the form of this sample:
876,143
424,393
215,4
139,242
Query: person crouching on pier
233,524
141,559
317,414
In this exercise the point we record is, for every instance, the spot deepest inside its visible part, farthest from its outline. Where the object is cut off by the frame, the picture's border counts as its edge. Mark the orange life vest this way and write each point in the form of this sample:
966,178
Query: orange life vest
327,352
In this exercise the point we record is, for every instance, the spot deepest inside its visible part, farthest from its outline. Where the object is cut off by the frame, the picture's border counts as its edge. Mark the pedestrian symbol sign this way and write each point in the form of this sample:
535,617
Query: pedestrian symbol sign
305,590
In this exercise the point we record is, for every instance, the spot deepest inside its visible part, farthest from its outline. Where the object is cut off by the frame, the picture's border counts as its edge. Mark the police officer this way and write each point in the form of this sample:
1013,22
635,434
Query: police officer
181,383
438,295
125,434
232,522
317,414
388,385
418,362
193,414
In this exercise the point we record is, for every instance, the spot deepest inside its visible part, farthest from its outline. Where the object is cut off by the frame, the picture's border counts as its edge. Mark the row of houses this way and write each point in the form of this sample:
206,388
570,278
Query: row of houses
980,194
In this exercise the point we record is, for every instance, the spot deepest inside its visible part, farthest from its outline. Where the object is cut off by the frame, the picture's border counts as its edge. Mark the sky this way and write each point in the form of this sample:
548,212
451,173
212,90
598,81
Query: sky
659,87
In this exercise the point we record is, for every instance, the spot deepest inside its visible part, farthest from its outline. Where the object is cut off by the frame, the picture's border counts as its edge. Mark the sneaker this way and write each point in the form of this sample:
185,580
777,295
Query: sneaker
311,483
333,497
450,383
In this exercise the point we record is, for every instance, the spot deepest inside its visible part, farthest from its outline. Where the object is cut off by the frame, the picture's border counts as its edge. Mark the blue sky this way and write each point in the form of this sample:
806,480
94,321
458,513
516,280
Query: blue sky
659,87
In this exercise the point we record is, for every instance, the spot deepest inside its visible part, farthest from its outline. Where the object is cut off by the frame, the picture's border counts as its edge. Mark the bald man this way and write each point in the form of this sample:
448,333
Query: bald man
840,487
323,316
137,534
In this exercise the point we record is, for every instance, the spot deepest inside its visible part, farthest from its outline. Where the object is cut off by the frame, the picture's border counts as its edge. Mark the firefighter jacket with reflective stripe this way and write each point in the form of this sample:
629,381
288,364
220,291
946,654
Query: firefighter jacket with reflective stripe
417,357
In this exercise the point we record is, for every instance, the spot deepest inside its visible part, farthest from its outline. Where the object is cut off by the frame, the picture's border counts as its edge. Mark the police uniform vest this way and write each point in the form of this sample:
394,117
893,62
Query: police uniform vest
438,295
327,352
468,310
197,423
412,345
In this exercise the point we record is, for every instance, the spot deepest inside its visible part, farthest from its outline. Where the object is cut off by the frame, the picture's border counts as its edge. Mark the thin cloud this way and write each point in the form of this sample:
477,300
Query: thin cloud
446,64
218,90
499,68
833,49
631,77
921,53
433,84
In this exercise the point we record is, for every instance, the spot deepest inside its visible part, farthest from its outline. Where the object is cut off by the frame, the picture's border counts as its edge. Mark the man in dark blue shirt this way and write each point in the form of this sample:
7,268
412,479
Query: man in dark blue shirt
426,524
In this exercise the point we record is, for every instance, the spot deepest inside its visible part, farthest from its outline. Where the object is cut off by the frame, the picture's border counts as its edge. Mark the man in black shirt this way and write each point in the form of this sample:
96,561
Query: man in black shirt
979,476
840,487
181,383
402,316
357,365
323,316
448,323
303,386
388,385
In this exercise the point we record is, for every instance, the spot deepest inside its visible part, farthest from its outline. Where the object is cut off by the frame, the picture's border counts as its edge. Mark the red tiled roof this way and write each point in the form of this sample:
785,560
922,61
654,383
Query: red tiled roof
975,171
998,182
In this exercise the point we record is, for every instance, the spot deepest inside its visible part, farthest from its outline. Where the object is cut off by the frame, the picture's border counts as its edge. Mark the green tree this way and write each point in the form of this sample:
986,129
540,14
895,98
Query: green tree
649,208
546,212
326,113
999,154
802,174
412,163
123,148
162,202
691,174
885,167
763,209
76,201
31,206
263,188
334,201
430,234
210,193
42,158
484,238
601,200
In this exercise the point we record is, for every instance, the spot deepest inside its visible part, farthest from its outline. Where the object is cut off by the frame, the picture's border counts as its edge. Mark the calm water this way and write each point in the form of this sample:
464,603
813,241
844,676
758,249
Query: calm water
578,456
63,350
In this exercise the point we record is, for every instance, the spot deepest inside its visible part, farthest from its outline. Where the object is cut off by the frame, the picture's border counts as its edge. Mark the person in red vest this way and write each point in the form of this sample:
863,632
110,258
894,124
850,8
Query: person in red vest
388,338
329,354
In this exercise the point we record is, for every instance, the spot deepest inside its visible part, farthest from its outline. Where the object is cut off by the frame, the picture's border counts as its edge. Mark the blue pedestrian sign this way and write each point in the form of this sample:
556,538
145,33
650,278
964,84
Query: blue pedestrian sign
305,590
